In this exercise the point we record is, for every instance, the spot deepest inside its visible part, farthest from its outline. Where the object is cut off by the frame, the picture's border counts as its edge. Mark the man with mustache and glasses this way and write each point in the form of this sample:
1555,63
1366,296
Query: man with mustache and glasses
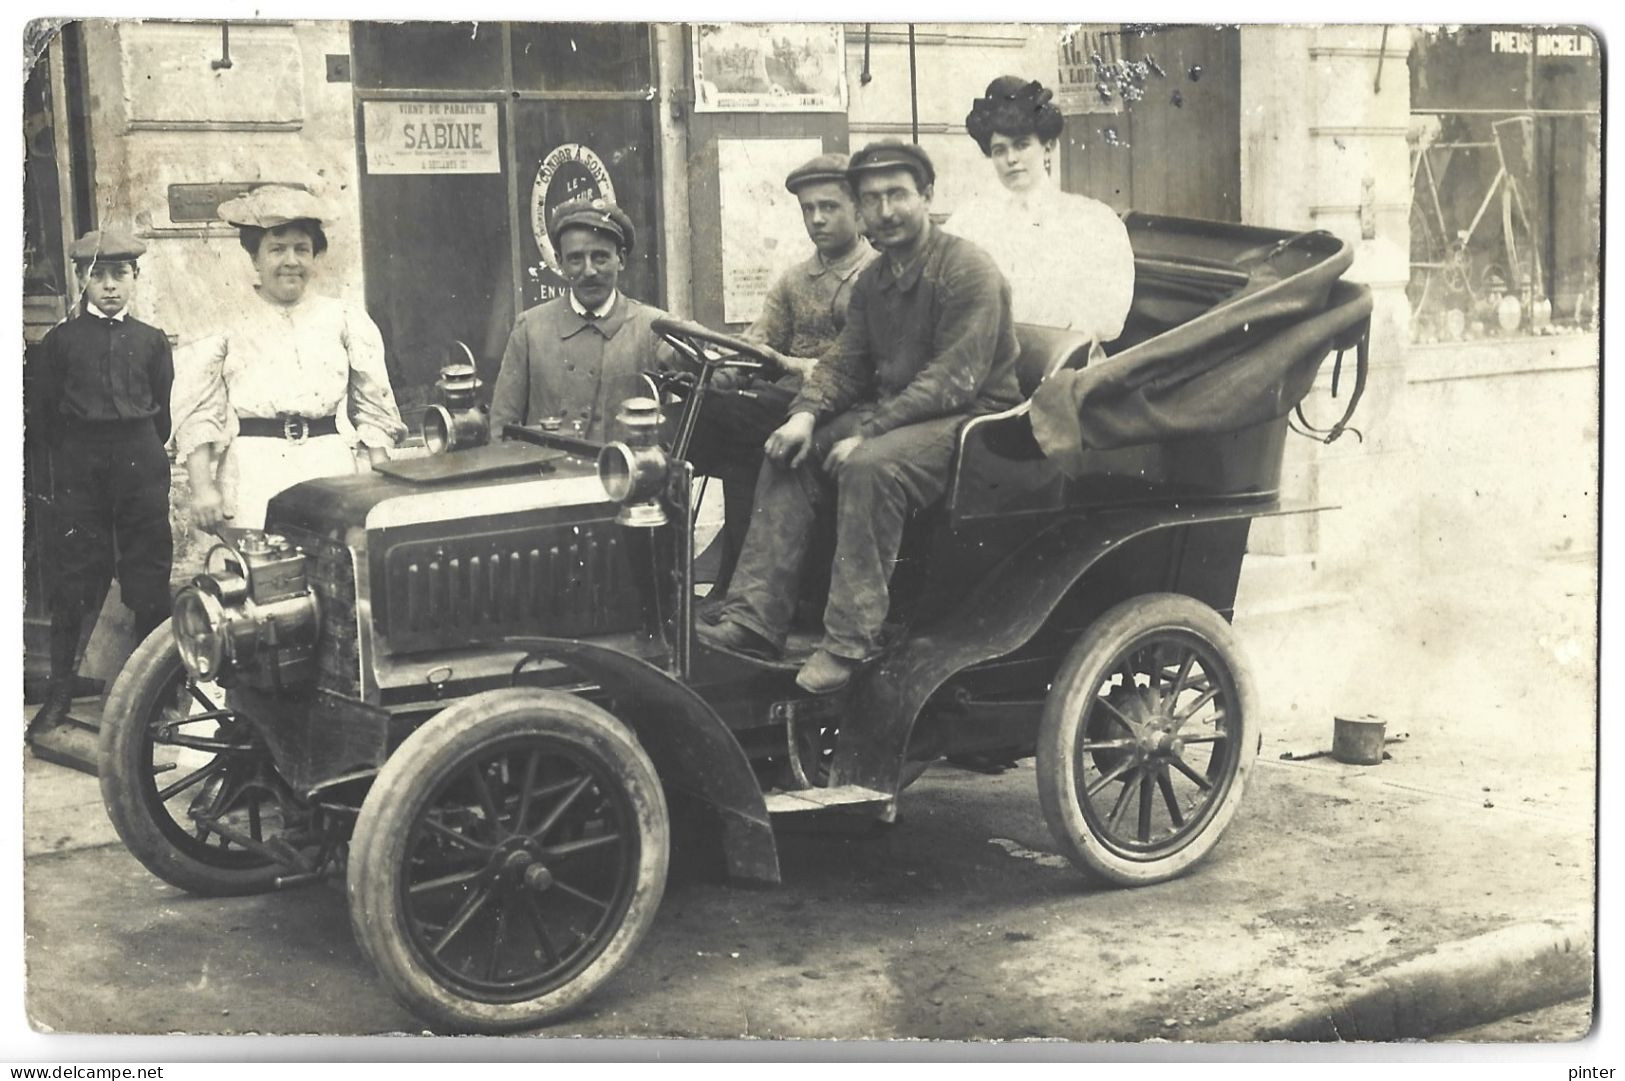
802,315
929,341
579,356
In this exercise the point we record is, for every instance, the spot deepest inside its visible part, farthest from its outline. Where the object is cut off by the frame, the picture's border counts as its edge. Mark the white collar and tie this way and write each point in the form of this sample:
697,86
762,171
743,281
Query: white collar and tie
592,314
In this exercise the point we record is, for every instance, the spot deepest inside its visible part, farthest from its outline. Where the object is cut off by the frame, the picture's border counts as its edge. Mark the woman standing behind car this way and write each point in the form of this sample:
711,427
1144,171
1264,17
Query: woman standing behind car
1067,257
292,386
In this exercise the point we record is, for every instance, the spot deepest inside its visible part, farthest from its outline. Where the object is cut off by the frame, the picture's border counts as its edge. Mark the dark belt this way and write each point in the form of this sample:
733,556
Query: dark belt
293,429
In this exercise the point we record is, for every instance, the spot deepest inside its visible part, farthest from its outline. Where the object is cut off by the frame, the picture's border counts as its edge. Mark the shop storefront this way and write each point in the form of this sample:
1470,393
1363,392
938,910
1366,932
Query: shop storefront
1505,136
468,134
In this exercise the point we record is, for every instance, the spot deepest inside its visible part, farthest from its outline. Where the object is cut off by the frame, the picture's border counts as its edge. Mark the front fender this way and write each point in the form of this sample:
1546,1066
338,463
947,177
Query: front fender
998,616
693,750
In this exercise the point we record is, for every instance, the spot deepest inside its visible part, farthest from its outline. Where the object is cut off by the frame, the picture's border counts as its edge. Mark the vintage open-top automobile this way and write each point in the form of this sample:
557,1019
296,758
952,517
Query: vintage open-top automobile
470,684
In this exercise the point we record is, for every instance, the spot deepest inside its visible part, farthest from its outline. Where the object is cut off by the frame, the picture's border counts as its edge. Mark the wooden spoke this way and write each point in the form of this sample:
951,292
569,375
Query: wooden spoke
1196,778
570,848
529,906
1121,806
482,790
524,791
470,908
499,930
462,840
1184,674
207,770
560,884
1206,697
1217,737
1166,784
1115,712
1145,807
456,878
1107,778
563,805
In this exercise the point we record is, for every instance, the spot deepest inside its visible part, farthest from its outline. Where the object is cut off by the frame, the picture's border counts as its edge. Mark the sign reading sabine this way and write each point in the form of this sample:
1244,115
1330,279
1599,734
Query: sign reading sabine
431,137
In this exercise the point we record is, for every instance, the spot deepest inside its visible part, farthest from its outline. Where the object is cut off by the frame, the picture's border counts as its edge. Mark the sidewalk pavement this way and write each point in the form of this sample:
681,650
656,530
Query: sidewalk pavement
1452,885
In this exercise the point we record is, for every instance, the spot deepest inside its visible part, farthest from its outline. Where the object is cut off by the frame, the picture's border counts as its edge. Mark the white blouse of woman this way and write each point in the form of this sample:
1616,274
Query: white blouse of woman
1067,257
289,360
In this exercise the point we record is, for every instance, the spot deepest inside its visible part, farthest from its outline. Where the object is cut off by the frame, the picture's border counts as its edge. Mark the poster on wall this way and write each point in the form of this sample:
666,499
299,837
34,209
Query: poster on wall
406,137
769,68
761,221
1086,63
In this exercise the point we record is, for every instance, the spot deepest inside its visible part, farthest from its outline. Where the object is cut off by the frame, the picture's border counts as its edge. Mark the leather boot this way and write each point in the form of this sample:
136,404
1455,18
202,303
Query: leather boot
64,659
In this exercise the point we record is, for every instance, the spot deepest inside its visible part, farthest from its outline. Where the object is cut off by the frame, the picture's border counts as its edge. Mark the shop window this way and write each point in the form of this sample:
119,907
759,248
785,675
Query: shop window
1505,184
581,56
43,272
428,56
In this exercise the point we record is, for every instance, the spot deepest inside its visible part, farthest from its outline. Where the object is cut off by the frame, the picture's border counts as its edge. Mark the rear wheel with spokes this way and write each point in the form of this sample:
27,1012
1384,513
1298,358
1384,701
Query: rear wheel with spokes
1148,735
508,859
188,783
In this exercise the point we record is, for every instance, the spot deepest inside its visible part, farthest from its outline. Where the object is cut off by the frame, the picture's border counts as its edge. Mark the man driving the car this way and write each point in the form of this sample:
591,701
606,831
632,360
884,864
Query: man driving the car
802,315
575,358
929,341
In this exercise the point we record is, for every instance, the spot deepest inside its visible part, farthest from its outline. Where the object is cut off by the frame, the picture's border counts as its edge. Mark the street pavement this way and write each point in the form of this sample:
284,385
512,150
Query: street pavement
962,922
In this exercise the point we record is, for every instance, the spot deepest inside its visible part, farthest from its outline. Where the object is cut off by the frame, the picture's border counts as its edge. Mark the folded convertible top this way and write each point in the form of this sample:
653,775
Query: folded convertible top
1247,315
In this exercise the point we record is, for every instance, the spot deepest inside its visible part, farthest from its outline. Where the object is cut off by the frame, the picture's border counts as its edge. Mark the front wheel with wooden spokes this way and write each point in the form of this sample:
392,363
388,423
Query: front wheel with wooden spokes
1147,738
189,784
508,859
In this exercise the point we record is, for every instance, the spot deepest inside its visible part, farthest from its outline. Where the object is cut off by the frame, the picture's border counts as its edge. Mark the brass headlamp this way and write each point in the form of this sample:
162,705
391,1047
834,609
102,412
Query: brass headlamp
251,611
633,471
459,421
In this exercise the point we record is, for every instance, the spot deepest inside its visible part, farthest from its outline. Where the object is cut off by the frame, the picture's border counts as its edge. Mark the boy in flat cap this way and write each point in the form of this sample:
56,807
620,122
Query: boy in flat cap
577,357
929,340
103,411
802,315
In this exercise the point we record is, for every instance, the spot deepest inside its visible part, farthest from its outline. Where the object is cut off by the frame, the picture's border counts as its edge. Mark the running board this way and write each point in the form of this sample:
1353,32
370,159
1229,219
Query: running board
853,796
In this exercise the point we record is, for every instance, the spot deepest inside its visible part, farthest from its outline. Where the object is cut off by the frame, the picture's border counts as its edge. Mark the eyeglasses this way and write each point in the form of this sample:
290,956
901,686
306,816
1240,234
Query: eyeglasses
876,200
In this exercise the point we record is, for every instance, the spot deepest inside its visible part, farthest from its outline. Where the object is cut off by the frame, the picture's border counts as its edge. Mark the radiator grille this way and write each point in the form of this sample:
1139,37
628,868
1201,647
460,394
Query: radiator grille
565,580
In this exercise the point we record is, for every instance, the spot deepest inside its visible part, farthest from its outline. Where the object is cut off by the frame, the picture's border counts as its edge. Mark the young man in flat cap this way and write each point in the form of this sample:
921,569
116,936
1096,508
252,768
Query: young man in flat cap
929,340
802,315
578,356
103,410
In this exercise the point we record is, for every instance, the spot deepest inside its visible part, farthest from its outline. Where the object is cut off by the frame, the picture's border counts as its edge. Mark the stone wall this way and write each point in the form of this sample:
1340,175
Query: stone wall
164,111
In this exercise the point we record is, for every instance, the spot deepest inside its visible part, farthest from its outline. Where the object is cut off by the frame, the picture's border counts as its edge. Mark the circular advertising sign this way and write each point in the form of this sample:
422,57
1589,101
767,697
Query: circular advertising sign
569,172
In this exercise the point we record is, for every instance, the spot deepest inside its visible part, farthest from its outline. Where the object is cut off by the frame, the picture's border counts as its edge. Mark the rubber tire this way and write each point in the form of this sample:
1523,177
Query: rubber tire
1080,676
385,825
122,760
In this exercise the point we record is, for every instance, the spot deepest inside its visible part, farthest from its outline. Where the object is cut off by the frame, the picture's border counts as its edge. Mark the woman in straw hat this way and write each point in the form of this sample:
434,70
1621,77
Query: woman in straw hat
292,387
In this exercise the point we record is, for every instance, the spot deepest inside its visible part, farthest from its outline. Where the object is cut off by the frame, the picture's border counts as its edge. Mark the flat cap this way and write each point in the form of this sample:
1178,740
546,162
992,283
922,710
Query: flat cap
272,205
892,154
821,170
599,214
106,246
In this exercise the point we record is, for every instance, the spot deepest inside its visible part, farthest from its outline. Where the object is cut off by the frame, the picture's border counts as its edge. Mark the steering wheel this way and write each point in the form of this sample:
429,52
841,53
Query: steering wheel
687,337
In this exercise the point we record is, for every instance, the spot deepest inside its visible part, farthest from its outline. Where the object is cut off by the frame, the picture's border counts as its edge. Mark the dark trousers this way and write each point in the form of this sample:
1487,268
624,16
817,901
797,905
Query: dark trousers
110,503
879,485
727,445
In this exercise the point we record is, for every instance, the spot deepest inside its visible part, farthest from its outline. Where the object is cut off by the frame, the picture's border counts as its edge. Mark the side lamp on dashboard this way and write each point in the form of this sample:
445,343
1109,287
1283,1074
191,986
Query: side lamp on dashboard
633,471
459,421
